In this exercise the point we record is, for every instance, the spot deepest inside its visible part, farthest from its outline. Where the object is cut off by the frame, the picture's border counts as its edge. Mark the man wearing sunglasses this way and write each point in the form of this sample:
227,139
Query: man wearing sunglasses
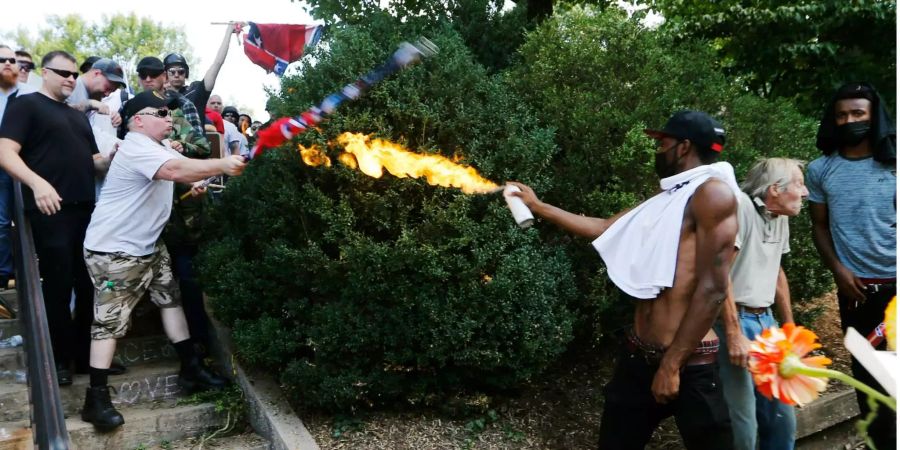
104,77
188,129
199,91
26,65
50,148
125,256
10,88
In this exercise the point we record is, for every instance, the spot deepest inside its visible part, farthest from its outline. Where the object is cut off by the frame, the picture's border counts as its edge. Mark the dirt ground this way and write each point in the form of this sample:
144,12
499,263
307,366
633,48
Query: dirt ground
562,411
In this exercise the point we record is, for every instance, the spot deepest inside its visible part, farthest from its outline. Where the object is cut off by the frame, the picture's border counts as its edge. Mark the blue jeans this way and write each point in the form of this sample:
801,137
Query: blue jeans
750,411
6,210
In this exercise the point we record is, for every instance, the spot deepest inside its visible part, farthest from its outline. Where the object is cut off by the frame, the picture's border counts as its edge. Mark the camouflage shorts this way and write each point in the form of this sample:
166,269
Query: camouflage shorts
120,280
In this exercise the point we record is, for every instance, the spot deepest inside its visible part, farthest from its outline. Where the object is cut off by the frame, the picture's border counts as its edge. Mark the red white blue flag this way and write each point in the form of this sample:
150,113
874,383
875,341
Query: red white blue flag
273,46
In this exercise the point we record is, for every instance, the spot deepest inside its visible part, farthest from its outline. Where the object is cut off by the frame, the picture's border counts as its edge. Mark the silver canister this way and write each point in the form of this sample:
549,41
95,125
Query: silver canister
520,212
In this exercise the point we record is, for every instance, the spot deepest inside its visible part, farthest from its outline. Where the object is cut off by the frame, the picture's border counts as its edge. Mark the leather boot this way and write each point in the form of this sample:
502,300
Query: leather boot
98,409
196,376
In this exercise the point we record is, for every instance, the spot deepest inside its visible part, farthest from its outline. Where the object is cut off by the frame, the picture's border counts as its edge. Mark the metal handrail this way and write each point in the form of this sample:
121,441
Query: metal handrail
47,419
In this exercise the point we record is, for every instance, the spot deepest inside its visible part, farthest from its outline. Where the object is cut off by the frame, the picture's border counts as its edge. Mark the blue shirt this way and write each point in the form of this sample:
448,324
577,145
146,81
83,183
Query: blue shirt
861,196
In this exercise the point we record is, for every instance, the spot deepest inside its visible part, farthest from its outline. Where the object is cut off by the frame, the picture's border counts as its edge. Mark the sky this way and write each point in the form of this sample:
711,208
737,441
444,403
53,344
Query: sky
240,82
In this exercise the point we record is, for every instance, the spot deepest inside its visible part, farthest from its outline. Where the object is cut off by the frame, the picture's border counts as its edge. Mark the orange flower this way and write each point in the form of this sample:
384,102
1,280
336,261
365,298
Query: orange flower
778,360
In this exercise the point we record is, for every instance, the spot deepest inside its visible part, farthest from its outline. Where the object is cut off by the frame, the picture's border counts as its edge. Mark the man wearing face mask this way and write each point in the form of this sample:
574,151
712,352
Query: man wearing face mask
670,256
852,195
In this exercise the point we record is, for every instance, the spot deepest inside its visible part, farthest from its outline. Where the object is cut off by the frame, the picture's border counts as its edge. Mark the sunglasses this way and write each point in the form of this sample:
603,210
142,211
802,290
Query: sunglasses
149,74
158,113
175,72
26,66
8,60
63,73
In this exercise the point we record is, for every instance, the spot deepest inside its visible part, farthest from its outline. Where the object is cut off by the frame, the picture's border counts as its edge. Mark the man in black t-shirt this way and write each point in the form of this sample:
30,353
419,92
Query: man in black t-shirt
50,148
198,92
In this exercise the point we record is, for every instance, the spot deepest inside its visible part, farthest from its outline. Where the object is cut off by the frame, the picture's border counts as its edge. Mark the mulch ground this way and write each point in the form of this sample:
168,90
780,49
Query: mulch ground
562,411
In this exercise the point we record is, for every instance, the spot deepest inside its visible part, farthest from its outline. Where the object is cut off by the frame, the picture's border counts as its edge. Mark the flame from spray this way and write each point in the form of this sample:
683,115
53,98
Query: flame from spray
373,156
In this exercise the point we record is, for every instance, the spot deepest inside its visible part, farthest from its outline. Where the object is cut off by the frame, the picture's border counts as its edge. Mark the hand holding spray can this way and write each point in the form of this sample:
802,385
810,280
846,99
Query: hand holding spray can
520,212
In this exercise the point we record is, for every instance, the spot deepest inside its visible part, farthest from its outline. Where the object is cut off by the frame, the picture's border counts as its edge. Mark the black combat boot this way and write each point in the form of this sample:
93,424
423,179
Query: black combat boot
98,409
195,376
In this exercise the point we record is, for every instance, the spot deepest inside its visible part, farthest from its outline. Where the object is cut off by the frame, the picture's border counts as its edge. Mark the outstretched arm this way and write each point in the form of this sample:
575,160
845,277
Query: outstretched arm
714,209
209,81
589,227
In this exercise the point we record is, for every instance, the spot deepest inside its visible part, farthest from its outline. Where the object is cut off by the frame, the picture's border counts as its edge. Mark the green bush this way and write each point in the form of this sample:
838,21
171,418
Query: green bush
365,292
599,78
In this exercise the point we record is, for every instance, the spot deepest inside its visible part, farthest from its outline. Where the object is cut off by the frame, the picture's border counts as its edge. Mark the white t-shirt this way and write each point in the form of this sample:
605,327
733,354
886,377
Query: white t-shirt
232,134
133,207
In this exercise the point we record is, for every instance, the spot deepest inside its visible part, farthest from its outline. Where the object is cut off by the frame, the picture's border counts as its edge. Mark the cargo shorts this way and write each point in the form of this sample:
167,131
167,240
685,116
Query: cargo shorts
120,280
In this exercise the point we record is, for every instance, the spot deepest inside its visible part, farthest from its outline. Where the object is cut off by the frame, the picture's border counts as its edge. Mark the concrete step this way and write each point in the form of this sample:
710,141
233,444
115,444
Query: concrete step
11,299
826,412
9,327
130,351
246,441
144,427
141,386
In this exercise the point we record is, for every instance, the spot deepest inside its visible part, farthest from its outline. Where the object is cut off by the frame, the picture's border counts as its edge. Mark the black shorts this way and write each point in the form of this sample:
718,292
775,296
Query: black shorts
630,414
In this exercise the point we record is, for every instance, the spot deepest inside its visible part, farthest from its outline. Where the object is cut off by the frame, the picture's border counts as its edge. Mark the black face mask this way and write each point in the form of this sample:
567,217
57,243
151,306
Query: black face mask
852,133
662,167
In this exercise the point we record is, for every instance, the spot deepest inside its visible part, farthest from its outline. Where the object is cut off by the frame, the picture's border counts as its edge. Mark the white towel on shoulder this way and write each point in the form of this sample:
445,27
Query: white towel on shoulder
641,248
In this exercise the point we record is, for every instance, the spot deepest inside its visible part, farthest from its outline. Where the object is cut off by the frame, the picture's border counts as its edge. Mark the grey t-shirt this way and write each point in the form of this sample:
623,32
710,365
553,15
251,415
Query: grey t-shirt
861,197
133,207
762,239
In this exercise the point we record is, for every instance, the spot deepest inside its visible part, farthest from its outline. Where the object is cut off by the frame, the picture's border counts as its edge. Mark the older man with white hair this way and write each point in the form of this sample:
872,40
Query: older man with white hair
773,191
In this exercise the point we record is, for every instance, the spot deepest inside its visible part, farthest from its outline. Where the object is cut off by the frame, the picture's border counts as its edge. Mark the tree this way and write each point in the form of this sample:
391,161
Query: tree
796,49
123,38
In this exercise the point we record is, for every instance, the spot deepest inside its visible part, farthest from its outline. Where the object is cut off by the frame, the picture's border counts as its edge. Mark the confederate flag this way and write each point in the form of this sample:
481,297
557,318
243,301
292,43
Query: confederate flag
273,46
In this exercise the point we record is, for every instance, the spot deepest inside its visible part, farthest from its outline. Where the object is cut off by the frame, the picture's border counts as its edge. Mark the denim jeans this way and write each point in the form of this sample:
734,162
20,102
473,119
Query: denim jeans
6,211
750,411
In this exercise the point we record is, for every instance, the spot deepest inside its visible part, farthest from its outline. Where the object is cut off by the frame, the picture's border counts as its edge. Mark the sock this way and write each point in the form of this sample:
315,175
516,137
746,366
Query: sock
185,350
99,377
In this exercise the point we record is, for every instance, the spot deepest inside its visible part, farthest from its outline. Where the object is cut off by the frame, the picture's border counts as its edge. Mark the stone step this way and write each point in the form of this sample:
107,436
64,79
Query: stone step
246,441
9,327
144,427
826,412
12,359
141,386
130,351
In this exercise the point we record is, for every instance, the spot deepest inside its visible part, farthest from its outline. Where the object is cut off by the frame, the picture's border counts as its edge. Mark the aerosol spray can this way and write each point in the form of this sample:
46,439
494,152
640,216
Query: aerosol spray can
520,212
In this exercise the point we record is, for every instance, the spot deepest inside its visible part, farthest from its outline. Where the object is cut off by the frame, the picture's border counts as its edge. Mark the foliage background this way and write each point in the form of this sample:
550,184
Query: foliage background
366,292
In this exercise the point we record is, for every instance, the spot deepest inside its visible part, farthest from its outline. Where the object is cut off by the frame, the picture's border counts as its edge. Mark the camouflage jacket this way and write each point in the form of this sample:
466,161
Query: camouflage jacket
185,225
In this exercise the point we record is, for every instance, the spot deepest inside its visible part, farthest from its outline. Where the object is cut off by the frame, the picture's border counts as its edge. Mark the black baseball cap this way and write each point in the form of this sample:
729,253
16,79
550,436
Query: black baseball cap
150,64
88,63
110,69
230,110
146,99
697,126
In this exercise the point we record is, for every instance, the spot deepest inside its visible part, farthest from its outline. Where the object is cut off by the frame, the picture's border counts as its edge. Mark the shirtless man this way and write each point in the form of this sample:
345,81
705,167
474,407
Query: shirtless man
676,270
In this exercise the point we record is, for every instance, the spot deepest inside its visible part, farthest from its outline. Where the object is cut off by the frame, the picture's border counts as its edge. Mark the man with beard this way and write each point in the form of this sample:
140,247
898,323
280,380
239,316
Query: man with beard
50,148
104,77
671,256
199,91
10,88
853,195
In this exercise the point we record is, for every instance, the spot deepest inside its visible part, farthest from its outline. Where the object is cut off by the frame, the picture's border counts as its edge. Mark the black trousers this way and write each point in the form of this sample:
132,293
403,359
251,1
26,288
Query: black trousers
191,292
59,240
864,318
630,413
